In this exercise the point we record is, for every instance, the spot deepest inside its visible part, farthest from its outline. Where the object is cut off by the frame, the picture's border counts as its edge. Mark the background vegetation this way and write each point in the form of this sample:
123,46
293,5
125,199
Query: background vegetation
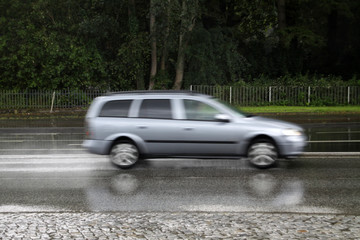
142,44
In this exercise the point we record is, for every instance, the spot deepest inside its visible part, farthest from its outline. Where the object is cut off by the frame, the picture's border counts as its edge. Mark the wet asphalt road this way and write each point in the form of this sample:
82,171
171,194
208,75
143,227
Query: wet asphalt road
307,185
335,137
29,138
45,170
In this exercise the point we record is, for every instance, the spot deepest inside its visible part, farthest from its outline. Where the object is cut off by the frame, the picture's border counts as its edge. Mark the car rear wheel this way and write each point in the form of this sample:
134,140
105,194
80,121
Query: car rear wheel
124,154
262,153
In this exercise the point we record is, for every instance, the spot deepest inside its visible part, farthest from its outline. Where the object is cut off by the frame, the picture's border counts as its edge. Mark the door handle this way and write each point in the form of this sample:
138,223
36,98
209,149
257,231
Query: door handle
188,128
142,127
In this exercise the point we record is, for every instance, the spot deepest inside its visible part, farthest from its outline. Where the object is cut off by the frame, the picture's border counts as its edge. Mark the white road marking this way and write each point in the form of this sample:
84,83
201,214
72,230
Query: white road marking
65,140
334,141
41,149
49,140
38,134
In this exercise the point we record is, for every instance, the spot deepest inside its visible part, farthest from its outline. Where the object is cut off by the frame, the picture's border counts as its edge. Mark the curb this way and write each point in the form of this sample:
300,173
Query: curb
330,154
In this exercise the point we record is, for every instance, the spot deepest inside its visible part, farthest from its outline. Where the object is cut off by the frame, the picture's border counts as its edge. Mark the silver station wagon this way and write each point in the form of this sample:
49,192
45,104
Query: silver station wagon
129,126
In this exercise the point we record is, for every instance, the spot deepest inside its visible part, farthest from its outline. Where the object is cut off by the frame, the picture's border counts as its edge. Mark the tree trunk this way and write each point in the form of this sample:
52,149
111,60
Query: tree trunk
332,47
281,14
153,69
133,29
132,16
187,26
165,50
180,64
281,18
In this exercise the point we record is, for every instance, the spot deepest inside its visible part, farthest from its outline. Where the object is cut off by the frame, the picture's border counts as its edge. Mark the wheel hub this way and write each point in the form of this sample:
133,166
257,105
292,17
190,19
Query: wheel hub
124,154
262,154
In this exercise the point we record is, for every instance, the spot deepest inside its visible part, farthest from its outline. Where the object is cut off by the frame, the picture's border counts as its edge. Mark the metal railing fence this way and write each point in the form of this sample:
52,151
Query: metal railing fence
38,99
283,95
245,96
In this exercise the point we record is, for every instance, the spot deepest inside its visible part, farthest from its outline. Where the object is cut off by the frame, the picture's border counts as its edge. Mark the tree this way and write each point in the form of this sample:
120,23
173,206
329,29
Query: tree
142,44
188,19
281,12
153,45
165,48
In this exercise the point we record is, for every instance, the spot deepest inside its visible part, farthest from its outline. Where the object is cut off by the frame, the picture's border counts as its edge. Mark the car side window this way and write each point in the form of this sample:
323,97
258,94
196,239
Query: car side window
155,108
196,110
117,108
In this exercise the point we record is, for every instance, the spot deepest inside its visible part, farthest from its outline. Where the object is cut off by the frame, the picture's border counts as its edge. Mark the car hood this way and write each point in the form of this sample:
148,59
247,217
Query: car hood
275,123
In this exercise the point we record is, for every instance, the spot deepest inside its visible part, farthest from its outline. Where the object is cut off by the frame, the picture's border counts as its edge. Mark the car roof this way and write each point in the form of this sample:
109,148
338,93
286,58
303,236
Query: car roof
157,92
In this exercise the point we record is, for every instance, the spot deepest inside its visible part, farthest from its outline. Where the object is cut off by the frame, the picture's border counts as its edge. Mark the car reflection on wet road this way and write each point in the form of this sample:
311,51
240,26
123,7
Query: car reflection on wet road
250,192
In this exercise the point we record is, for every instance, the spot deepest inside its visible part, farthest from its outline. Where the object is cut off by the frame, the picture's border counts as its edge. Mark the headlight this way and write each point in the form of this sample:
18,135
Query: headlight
291,132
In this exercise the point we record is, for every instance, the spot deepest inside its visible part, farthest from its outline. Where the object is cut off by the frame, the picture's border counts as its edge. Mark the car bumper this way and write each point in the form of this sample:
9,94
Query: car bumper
292,146
97,146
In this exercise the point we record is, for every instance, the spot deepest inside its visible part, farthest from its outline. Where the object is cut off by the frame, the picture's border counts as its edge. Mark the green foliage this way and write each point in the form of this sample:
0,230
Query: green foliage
354,81
213,59
133,57
104,44
302,80
44,54
301,109
162,81
70,99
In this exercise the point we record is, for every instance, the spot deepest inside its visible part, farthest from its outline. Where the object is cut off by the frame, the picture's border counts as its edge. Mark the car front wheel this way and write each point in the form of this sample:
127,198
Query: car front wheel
124,154
262,154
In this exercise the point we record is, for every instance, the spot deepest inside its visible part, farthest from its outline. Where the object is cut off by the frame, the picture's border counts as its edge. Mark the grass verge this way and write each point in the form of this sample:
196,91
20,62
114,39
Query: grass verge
302,109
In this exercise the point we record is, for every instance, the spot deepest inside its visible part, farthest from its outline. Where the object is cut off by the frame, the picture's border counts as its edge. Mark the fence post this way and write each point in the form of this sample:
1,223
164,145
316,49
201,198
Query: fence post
309,89
270,94
52,102
190,88
230,94
348,95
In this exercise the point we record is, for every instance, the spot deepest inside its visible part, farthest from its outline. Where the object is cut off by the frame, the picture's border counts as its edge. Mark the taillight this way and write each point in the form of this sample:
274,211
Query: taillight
88,133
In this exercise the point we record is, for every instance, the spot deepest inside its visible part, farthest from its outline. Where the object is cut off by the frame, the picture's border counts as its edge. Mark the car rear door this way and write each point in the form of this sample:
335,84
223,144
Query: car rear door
156,126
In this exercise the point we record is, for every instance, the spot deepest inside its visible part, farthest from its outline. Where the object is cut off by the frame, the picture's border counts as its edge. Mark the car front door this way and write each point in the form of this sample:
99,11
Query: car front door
200,133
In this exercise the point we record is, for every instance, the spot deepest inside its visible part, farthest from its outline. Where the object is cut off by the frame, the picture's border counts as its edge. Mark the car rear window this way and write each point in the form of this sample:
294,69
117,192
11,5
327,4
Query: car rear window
155,108
117,108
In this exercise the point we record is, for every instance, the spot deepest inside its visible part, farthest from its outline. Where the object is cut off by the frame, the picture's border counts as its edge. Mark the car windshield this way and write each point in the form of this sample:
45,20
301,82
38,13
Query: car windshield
235,109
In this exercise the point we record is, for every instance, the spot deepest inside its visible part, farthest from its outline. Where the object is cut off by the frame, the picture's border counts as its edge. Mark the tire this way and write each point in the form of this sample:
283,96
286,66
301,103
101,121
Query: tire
263,154
124,154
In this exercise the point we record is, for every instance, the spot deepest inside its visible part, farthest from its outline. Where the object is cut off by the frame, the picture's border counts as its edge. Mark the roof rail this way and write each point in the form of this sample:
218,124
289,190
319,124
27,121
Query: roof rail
154,92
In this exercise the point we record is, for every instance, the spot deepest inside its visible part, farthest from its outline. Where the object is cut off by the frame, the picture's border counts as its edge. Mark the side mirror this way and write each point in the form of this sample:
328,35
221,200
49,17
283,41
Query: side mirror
222,118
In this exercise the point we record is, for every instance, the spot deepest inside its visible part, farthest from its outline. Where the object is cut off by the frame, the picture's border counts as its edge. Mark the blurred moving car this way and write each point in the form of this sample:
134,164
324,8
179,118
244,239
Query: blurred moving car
129,126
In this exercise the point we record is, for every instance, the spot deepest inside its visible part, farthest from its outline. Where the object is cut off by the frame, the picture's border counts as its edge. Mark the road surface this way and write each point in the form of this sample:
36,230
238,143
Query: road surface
62,192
